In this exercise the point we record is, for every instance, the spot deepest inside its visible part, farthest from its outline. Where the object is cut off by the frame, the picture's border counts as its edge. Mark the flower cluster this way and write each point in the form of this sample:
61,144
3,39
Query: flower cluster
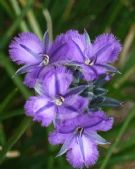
68,77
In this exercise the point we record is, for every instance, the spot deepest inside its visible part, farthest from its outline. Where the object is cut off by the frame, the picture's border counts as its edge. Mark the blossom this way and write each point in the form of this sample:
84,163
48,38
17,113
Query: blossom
80,139
68,77
93,58
37,56
55,100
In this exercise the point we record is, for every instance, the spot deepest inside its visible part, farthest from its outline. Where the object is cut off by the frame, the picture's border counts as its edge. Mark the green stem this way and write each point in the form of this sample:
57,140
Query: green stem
6,115
67,11
123,158
7,8
17,10
7,100
33,21
10,70
124,78
15,25
121,132
116,8
26,122
126,144
34,25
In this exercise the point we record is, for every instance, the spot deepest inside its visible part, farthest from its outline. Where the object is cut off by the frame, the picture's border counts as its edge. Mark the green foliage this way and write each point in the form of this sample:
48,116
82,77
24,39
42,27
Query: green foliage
17,134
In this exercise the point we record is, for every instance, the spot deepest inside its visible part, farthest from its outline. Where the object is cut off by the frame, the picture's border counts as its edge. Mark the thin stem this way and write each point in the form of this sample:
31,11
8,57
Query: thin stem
15,25
10,70
26,122
7,8
118,138
7,100
17,10
33,21
6,115
68,9
116,8
126,76
126,46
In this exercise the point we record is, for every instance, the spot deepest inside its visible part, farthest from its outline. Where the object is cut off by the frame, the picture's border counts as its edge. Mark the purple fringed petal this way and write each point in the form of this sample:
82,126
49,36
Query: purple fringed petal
94,137
36,75
40,109
49,83
57,79
89,72
69,126
66,146
66,112
77,102
57,138
72,107
111,53
31,77
95,121
57,52
69,50
99,121
75,156
21,55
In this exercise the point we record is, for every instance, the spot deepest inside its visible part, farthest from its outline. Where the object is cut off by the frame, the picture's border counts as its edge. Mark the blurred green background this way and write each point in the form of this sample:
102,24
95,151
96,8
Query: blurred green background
24,145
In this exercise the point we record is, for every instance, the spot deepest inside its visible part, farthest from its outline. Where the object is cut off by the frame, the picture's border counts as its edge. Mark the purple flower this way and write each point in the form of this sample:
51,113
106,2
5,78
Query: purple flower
37,56
80,139
56,101
92,58
53,69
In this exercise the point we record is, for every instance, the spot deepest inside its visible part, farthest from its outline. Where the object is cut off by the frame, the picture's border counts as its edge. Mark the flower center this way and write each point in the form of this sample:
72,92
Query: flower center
79,130
59,101
46,60
89,62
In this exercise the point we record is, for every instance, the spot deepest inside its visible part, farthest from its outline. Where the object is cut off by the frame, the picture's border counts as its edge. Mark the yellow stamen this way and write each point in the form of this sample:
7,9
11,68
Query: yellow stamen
89,62
59,101
46,60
